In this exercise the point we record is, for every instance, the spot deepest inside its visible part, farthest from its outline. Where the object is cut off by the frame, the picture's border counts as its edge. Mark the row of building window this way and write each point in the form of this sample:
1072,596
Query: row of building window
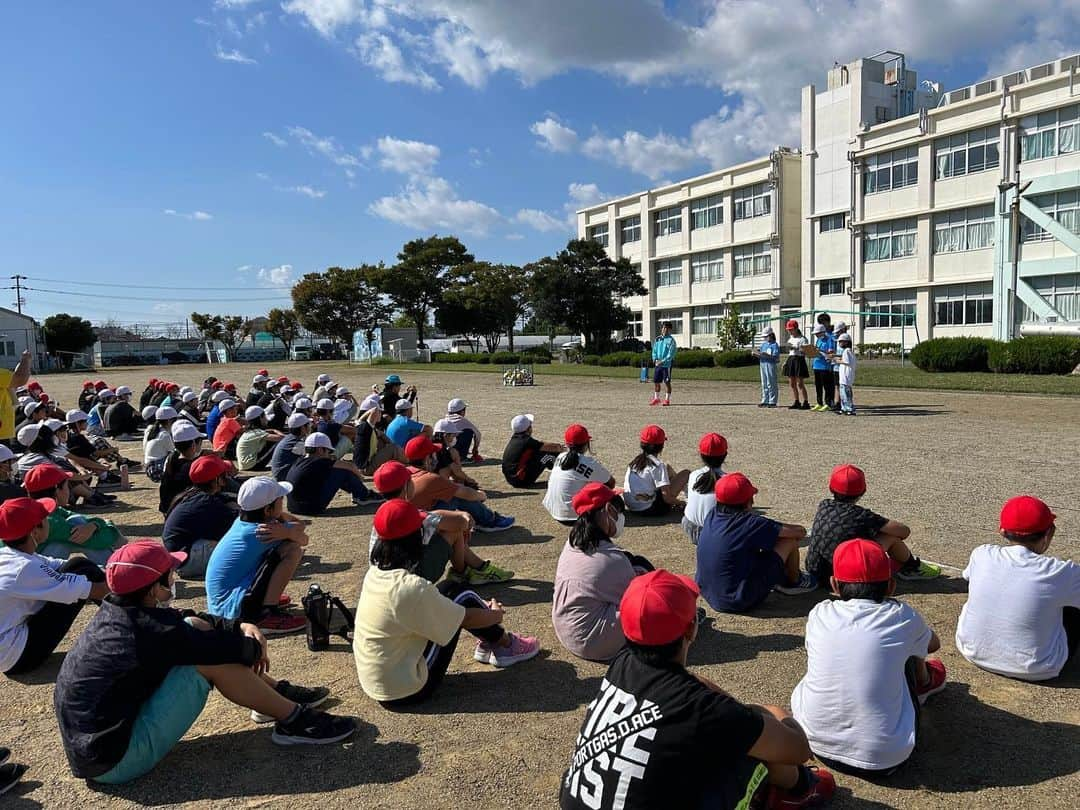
1063,206
1055,132
954,231
747,260
703,320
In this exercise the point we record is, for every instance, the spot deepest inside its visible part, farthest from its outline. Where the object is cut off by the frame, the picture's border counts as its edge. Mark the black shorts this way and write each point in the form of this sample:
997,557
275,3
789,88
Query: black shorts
251,606
661,374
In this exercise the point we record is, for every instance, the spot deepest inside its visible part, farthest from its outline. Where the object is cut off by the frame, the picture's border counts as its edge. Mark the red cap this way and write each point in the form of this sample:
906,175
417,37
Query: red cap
734,489
33,385
88,384
577,434
44,476
391,476
206,468
171,386
100,385
848,480
593,496
264,372
792,324
230,386
217,385
861,561
657,607
420,447
19,516
153,380
297,385
281,380
138,564
712,444
1026,514
43,397
653,434
396,519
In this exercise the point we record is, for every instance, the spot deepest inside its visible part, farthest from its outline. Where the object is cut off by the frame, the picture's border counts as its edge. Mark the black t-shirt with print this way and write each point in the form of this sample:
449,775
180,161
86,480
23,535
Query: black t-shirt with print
658,737
520,451
79,445
836,522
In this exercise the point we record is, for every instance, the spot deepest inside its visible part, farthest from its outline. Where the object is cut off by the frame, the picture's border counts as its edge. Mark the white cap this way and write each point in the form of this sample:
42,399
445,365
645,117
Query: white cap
302,403
819,329
285,388
844,338
323,379
184,431
76,415
325,404
148,412
768,330
55,425
123,391
253,412
456,405
403,405
318,393
5,453
226,403
342,390
32,406
106,393
317,440
448,426
521,422
217,396
185,390
258,378
840,326
166,412
297,420
257,493
27,434
190,396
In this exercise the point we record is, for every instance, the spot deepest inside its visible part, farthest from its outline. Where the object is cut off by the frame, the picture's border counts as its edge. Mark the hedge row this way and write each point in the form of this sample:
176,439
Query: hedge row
1049,354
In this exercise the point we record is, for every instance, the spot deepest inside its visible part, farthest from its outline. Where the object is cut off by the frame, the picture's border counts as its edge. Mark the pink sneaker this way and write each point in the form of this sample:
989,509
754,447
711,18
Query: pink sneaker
654,401
666,403
937,679
521,648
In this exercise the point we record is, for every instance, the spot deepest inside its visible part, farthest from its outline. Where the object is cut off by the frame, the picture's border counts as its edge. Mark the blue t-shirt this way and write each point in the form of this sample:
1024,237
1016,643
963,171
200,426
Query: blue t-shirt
232,568
330,428
283,456
769,351
212,420
200,516
401,429
732,569
824,344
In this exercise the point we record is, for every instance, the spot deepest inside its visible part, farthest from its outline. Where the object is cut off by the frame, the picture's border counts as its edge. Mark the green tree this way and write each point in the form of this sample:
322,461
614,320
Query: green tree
341,301
484,302
284,324
733,332
68,334
228,330
583,288
425,268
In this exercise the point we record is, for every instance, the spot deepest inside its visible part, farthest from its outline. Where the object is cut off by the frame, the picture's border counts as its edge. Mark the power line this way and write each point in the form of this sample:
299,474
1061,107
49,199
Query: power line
18,291
170,287
114,297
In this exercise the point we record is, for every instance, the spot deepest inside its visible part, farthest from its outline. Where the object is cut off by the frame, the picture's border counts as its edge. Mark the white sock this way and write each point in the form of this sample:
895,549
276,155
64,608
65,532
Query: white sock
667,397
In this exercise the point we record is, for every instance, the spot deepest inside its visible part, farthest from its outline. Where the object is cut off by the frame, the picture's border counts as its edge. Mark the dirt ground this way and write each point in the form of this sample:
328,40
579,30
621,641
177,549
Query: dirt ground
941,462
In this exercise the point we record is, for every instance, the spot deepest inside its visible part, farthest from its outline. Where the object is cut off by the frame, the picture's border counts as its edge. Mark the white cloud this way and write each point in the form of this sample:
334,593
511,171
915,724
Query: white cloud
327,147
539,220
514,237
195,216
201,216
378,51
430,204
280,276
262,176
554,136
585,194
305,190
653,157
244,268
276,140
326,16
233,56
407,157
235,3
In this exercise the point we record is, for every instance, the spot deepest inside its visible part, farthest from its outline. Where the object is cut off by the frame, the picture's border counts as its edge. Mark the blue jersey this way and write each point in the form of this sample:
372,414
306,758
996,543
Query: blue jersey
770,352
232,568
824,344
663,350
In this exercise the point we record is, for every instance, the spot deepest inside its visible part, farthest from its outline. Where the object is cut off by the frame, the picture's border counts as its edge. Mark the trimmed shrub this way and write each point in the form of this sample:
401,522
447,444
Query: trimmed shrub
952,354
694,358
590,359
505,358
734,359
536,351
483,359
625,359
451,357
1035,354
538,360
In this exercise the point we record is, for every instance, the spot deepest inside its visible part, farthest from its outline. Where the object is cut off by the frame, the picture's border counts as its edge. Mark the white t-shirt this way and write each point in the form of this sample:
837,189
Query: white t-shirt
27,582
699,505
854,702
847,367
1011,624
158,447
796,345
640,487
563,485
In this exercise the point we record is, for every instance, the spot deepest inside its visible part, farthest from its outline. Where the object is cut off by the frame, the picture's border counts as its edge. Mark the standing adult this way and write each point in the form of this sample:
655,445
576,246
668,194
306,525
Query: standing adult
795,366
663,356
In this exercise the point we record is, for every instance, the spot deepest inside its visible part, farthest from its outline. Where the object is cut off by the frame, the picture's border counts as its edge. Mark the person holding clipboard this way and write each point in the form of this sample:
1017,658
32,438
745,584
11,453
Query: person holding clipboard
795,366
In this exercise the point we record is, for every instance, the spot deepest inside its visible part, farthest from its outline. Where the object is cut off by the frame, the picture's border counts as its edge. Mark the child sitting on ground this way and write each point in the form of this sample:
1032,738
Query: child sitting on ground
867,672
701,485
1022,617
840,518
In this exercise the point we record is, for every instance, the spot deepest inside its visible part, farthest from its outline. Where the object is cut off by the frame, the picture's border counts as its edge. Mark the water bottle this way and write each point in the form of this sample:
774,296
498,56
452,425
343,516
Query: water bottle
125,481
644,373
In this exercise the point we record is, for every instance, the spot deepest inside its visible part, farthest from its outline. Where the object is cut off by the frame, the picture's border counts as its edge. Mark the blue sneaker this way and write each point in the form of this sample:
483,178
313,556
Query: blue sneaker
501,524
807,582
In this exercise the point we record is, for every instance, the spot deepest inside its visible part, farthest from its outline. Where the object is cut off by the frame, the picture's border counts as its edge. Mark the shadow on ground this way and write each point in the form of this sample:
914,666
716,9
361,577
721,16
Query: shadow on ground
715,646
901,410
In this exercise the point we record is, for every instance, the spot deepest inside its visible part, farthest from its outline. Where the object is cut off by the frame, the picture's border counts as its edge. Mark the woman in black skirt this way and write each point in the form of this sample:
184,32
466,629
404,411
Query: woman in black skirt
795,366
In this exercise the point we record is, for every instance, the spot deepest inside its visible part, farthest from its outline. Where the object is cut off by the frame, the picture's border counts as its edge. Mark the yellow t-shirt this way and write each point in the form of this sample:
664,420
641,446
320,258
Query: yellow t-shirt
7,405
398,614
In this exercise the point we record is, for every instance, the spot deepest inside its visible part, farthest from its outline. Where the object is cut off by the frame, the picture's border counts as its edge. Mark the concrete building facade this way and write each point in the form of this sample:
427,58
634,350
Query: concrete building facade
730,236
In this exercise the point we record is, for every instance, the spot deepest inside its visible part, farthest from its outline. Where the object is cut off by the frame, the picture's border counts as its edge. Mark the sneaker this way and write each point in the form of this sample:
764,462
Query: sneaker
936,669
915,569
5,754
313,727
654,401
701,615
10,775
822,787
279,623
763,405
307,696
805,406
795,406
367,500
501,524
487,574
666,403
284,600
477,458
521,648
807,582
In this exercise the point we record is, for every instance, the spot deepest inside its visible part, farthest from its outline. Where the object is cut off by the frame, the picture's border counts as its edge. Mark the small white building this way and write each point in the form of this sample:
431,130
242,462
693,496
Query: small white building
20,333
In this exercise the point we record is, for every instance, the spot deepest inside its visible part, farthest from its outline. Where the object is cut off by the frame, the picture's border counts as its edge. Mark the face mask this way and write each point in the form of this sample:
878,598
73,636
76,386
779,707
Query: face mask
620,524
172,595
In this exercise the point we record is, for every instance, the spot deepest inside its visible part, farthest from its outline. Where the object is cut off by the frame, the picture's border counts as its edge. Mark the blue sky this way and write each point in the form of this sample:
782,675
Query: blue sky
222,148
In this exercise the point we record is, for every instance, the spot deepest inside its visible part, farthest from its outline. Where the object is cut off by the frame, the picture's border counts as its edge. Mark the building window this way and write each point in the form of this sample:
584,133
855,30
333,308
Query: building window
964,304
599,233
966,152
707,266
753,201
707,212
669,273
1064,206
889,240
674,316
1062,292
891,309
669,221
630,230
891,170
634,325
705,320
832,222
1056,132
832,286
964,229
753,260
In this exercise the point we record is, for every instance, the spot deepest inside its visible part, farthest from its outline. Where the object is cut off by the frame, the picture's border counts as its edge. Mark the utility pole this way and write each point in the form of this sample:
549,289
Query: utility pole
18,291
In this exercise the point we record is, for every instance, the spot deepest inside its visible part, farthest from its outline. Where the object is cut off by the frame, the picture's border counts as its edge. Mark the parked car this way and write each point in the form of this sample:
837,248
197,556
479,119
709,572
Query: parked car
301,353
631,345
